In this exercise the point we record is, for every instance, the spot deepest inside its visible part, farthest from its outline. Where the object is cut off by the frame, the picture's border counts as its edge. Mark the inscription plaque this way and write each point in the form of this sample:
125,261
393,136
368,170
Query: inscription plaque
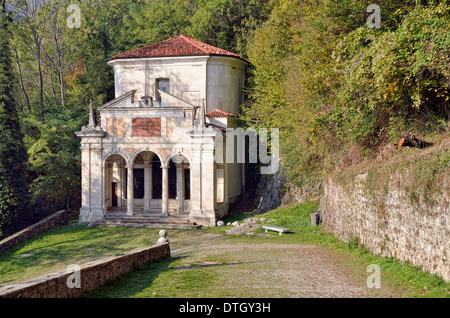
146,127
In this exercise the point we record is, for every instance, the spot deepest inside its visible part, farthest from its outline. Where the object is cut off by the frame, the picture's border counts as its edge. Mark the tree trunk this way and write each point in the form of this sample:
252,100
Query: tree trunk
37,42
19,70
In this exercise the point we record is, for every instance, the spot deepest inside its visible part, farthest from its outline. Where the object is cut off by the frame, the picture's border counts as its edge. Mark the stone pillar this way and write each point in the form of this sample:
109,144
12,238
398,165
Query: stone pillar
202,176
196,181
122,186
150,184
147,188
180,197
93,174
130,191
208,180
165,191
85,178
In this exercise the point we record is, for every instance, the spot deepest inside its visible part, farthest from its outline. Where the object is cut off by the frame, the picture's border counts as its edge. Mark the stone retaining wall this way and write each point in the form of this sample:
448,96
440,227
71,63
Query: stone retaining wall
389,222
91,275
58,218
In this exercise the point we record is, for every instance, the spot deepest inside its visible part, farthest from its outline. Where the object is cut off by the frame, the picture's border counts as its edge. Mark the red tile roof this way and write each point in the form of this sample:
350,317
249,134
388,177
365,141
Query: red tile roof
220,113
181,45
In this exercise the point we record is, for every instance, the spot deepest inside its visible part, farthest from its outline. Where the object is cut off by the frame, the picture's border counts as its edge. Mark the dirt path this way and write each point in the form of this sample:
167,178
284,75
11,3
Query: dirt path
275,270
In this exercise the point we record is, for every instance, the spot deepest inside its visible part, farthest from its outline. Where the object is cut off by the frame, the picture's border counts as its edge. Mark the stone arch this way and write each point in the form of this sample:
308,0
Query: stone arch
174,155
136,153
114,177
179,179
119,153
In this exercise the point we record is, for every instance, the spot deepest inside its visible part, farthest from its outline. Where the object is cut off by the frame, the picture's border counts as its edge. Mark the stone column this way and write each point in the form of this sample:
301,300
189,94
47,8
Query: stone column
150,184
196,181
180,184
130,191
85,179
147,188
202,177
165,191
93,174
122,186
208,180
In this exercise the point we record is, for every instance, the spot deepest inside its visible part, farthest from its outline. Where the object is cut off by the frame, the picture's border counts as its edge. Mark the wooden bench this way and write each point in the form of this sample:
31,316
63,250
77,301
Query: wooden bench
275,229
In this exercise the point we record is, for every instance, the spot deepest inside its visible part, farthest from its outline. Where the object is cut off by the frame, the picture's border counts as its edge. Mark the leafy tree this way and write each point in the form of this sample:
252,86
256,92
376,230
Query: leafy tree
340,90
54,158
13,157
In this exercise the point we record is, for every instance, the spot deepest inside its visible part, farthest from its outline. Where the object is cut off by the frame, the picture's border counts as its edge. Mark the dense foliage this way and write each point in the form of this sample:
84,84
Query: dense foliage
13,157
339,89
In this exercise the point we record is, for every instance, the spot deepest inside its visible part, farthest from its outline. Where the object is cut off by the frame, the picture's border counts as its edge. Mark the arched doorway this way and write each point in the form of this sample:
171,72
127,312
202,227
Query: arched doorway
115,187
179,183
147,183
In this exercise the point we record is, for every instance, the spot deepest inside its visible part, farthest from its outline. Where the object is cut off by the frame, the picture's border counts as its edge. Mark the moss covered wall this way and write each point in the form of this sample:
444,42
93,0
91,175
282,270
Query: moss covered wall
399,209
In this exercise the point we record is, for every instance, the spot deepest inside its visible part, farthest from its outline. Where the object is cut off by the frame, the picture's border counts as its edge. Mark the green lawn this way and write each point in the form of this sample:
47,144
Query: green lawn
61,246
54,250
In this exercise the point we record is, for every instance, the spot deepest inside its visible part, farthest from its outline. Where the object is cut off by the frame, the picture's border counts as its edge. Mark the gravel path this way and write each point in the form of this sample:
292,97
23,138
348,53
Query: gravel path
276,270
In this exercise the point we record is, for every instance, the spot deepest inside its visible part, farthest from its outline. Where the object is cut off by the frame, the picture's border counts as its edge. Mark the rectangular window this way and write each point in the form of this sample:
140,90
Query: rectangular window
162,84
138,176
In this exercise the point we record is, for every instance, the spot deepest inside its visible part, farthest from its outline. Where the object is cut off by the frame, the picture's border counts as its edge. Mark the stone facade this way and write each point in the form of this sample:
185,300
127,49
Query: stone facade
389,223
157,143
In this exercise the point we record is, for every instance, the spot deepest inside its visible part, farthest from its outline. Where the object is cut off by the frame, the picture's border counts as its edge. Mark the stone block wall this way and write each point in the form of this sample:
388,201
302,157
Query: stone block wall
91,275
398,220
58,218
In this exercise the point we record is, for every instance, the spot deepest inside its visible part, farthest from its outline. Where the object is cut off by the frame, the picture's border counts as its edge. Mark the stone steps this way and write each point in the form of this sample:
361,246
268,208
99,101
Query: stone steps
171,222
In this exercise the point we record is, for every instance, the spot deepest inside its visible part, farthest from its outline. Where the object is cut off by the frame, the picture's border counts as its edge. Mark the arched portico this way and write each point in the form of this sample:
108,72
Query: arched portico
147,183
179,182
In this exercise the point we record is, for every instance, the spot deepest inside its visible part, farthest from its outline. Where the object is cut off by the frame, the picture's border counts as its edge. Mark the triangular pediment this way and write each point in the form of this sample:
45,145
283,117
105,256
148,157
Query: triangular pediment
169,100
132,100
124,101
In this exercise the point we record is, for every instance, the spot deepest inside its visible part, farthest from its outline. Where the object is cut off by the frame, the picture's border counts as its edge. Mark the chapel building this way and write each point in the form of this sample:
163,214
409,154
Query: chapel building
159,149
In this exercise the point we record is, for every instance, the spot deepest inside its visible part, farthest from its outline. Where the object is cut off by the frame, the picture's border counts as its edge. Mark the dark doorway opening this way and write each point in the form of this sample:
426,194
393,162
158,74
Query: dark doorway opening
114,194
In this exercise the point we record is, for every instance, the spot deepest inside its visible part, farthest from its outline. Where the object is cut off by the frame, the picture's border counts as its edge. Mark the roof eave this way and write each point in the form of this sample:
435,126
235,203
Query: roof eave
174,56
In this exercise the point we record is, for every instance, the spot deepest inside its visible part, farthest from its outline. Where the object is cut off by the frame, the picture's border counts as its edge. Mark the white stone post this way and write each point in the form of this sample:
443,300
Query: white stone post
93,174
122,186
85,178
196,181
165,191
202,177
208,180
130,191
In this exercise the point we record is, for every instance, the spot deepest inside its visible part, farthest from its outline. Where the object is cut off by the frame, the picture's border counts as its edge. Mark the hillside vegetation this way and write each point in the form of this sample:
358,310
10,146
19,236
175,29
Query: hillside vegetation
340,90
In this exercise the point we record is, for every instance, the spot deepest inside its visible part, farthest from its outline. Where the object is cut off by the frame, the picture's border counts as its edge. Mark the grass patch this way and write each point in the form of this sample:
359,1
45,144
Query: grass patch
61,246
